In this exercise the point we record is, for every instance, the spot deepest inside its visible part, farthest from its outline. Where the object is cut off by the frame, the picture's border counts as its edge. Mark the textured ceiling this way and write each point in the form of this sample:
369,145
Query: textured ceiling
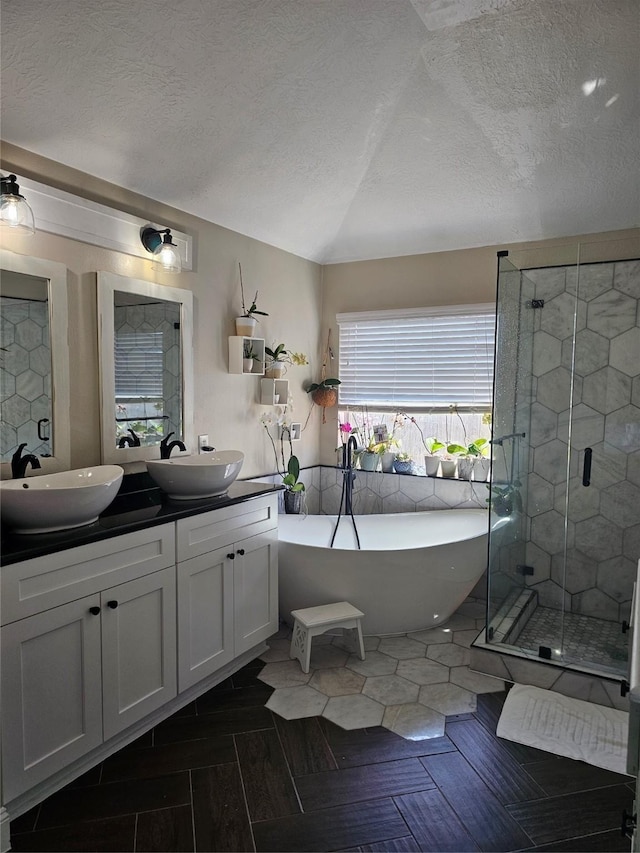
341,129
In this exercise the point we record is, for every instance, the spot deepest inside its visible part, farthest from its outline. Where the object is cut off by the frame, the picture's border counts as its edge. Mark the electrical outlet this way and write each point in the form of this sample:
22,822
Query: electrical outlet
203,441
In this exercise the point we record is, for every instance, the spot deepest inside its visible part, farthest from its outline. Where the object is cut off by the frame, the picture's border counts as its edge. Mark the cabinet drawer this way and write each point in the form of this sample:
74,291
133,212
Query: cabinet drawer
36,585
202,533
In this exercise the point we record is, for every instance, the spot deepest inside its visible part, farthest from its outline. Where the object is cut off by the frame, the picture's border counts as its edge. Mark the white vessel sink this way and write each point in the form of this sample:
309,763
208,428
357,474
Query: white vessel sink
58,501
187,477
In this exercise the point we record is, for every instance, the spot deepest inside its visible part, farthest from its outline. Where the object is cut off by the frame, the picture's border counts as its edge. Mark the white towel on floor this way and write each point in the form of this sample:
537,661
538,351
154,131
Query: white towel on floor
565,726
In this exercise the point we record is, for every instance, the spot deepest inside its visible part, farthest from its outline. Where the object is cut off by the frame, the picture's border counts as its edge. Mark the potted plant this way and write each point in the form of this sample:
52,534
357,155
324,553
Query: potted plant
388,456
432,458
249,356
246,324
403,464
431,445
383,443
294,489
324,393
479,449
449,463
468,456
278,358
370,455
462,458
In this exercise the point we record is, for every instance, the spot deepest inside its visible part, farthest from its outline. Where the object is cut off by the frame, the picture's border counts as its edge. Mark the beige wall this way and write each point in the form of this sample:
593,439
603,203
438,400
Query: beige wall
302,299
226,405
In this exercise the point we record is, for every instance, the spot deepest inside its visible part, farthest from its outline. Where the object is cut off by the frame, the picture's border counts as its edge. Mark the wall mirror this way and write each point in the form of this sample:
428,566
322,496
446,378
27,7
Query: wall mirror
146,367
34,360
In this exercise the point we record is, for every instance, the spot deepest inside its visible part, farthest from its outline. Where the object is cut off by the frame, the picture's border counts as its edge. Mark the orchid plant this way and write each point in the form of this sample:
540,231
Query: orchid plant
280,354
252,310
292,466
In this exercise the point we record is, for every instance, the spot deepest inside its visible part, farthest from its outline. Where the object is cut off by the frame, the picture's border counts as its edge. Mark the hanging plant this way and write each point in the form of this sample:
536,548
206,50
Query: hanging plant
325,393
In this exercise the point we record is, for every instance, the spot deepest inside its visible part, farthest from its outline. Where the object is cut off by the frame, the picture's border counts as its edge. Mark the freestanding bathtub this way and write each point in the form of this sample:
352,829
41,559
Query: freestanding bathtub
413,571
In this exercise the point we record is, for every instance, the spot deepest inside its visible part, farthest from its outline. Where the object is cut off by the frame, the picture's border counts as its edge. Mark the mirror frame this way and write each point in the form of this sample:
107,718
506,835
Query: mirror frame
56,276
108,284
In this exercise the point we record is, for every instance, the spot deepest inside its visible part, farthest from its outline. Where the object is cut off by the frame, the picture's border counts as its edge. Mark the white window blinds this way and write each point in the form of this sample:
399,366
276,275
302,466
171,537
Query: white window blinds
422,357
139,364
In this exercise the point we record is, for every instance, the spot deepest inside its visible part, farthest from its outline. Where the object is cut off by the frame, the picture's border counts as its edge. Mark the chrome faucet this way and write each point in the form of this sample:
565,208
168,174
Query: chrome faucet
166,447
19,463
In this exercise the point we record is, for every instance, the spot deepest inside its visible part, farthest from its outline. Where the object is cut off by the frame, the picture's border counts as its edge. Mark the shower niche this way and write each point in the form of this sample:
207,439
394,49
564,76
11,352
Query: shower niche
565,492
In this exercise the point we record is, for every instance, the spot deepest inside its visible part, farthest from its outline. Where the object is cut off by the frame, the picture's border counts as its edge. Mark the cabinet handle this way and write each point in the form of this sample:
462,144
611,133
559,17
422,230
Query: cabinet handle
231,556
94,611
112,604
240,551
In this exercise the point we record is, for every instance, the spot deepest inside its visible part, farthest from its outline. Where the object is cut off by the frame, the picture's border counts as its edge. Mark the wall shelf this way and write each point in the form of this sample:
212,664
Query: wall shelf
293,433
274,392
236,355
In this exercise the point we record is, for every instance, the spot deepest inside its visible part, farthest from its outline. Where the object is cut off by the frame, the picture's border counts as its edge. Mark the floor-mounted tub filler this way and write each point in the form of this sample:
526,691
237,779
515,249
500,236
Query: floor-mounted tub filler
411,572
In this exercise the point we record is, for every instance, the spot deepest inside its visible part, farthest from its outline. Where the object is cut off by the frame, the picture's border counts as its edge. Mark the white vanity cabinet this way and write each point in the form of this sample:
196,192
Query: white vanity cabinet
227,585
102,641
86,651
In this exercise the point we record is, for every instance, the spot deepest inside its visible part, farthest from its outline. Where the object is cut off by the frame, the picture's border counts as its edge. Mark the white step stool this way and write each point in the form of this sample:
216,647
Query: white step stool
312,621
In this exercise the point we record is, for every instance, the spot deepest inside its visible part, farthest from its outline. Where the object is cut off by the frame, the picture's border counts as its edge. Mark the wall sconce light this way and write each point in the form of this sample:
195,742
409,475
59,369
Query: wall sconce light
160,244
15,213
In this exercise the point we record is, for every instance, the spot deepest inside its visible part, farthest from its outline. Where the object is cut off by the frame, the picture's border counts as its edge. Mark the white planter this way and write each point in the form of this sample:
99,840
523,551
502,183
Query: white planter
386,460
465,468
448,467
246,326
275,370
481,468
247,365
369,461
431,465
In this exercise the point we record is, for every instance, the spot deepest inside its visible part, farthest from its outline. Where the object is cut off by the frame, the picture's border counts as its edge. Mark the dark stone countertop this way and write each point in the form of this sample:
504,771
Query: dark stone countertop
139,504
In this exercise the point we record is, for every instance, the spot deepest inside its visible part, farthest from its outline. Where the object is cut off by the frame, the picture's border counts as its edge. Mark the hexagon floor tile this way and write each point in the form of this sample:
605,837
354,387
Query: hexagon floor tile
407,684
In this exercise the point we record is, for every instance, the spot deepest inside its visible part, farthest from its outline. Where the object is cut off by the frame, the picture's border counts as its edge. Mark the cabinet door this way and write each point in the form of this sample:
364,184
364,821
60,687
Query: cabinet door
205,615
138,649
255,586
51,693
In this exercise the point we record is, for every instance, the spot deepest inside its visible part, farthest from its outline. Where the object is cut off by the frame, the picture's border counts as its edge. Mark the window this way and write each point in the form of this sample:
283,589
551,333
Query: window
434,366
139,384
430,358
139,364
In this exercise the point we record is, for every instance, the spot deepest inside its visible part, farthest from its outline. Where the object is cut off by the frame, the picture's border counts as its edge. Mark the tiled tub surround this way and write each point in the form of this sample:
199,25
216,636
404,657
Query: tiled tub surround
375,492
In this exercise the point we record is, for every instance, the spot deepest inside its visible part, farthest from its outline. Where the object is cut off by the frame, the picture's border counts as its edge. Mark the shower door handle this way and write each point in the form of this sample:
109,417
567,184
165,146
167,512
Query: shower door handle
586,467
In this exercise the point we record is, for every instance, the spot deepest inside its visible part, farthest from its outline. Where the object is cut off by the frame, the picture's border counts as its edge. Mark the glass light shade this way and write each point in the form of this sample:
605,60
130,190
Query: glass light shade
16,214
168,259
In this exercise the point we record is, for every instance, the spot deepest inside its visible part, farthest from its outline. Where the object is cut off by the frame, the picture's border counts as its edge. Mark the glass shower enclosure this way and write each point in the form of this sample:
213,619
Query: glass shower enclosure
565,486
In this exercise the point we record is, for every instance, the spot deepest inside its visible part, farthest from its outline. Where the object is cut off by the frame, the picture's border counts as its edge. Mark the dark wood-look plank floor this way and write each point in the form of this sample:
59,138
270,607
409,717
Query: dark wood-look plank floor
225,774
